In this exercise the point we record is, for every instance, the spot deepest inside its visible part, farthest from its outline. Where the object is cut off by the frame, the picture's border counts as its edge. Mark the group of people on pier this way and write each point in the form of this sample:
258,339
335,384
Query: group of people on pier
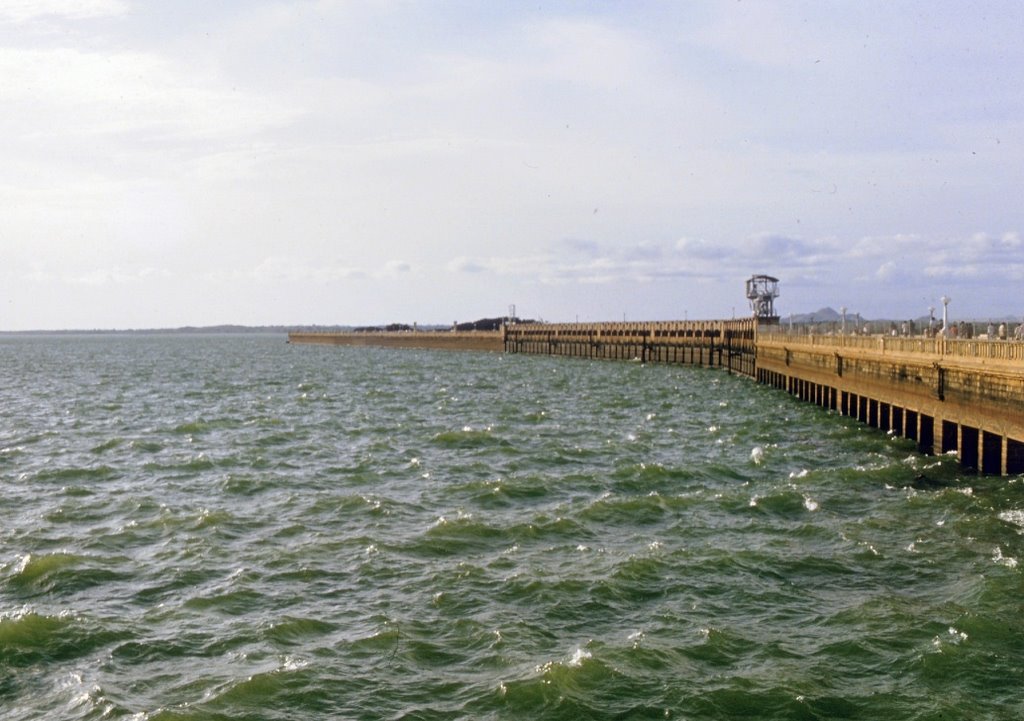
966,330
961,330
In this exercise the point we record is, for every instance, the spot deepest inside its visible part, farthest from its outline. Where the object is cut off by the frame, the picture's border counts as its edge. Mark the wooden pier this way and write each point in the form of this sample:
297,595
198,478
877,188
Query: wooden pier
950,396
727,344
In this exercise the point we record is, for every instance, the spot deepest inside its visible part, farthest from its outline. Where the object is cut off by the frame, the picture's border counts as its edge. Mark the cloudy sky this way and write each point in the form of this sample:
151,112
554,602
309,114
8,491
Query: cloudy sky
365,161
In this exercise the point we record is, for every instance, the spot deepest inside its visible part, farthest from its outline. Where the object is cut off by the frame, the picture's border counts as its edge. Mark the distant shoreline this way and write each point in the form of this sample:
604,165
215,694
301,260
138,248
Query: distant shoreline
185,330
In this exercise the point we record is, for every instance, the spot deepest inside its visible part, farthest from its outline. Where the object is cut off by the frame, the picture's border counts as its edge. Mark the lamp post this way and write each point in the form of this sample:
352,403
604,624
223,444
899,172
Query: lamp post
842,310
945,316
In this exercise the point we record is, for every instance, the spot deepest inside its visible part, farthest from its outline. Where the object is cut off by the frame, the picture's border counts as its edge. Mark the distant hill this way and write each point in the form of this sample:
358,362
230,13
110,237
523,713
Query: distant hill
827,315
822,315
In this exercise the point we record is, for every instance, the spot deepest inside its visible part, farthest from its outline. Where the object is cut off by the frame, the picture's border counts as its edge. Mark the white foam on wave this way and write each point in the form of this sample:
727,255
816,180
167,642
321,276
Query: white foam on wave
579,656
575,661
757,455
998,557
83,694
22,564
637,638
292,663
1016,517
953,636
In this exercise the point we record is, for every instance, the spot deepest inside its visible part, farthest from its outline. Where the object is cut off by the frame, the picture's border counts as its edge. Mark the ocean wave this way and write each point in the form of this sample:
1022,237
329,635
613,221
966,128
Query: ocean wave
518,538
28,637
469,438
62,573
77,473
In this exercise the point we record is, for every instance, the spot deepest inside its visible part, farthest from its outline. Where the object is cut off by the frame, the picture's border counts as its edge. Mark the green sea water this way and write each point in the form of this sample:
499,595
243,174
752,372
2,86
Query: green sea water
232,527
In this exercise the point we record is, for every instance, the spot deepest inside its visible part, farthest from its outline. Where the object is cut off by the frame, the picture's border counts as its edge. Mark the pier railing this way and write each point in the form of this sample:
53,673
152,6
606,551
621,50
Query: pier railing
973,349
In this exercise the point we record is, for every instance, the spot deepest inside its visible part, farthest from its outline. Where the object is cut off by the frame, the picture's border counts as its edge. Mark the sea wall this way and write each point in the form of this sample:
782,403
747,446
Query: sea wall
433,340
949,396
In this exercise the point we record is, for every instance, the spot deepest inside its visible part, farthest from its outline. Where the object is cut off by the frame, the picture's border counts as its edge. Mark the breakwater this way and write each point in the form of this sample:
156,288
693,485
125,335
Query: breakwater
950,396
431,340
964,397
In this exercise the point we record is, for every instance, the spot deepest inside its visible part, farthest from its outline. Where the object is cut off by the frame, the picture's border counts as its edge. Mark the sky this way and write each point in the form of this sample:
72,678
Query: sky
299,162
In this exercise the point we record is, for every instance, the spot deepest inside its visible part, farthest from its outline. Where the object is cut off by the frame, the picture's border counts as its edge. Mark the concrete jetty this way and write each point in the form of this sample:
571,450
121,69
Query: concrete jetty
949,396
482,340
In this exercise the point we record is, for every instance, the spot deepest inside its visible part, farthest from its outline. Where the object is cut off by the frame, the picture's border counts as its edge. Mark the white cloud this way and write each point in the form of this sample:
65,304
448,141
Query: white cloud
395,268
54,93
887,272
766,35
568,154
589,52
985,246
21,11
463,264
294,269
96,277
290,269
117,275
701,249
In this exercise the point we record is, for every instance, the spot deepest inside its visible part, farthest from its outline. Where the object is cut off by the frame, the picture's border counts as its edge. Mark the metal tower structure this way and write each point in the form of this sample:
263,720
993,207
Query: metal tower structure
762,290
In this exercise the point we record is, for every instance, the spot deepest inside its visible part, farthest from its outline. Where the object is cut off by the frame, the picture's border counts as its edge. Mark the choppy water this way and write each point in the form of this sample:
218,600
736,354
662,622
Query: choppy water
235,528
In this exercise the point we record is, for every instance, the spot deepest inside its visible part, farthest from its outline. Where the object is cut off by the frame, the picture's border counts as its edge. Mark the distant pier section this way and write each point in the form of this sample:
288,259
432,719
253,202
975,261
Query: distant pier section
728,344
725,344
482,340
